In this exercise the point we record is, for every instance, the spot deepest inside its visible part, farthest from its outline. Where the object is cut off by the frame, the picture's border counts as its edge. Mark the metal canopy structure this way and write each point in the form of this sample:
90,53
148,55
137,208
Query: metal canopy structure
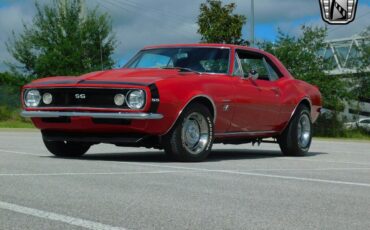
344,55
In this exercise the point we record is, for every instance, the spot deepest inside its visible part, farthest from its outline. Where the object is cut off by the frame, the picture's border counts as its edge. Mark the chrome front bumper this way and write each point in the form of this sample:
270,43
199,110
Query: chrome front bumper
51,114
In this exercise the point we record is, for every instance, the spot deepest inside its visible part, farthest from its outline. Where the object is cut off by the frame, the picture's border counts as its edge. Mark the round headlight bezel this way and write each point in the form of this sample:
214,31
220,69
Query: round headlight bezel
32,102
129,99
47,98
119,99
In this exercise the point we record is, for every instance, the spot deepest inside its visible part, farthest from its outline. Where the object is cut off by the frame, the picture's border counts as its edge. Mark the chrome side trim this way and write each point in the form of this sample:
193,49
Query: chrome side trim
182,109
51,114
252,133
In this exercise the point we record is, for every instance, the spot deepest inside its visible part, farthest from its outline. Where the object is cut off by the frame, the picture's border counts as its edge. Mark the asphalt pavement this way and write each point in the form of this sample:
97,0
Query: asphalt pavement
238,187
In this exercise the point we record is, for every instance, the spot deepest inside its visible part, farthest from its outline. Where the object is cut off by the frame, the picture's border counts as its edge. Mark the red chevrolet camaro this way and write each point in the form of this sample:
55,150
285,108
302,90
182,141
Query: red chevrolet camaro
180,98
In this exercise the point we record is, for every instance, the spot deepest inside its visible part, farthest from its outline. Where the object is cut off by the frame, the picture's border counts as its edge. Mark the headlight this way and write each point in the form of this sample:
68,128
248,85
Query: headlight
136,99
119,99
47,98
32,98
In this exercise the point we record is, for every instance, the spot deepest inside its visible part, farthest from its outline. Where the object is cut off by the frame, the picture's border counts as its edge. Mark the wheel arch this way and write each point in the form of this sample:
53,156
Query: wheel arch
304,101
202,99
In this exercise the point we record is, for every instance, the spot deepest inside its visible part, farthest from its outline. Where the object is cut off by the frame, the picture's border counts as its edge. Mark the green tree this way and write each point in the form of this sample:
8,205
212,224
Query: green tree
363,73
300,56
63,40
13,79
218,23
10,84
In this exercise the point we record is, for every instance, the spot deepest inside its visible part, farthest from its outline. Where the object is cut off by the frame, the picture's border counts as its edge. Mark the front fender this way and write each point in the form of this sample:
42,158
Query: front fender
173,99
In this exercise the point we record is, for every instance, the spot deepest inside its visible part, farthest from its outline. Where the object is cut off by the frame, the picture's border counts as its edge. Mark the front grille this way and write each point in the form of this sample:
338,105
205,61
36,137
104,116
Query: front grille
57,120
105,121
83,97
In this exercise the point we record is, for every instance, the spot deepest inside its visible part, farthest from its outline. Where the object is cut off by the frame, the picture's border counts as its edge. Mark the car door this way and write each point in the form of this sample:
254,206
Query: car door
257,98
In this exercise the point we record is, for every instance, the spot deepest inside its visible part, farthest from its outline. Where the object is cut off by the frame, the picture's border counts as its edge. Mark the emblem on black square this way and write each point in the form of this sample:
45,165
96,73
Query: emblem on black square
338,12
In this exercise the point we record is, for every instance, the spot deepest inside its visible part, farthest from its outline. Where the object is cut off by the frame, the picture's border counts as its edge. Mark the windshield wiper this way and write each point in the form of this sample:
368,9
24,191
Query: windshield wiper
182,69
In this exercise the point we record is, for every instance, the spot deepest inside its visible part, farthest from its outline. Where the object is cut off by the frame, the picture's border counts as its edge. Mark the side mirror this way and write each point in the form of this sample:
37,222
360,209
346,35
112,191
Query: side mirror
253,75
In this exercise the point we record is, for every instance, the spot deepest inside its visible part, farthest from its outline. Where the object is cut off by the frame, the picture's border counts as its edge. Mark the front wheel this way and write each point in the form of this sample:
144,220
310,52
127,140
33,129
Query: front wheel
296,138
66,149
192,136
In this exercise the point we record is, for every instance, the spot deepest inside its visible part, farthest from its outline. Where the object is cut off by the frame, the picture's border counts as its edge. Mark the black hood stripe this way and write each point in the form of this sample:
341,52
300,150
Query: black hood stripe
92,82
53,82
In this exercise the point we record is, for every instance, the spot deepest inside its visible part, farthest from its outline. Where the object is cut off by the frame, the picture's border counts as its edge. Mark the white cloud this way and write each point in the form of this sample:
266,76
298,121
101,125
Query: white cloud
11,19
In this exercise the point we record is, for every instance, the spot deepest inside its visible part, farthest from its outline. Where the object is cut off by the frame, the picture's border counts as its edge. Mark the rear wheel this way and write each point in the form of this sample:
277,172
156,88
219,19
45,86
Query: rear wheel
296,138
66,148
192,136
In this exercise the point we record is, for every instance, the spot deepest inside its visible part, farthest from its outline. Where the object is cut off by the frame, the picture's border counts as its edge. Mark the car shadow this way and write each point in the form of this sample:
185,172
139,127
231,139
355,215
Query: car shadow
160,156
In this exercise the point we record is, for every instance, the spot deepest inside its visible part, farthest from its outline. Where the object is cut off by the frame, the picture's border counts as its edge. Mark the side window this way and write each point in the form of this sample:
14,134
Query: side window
255,62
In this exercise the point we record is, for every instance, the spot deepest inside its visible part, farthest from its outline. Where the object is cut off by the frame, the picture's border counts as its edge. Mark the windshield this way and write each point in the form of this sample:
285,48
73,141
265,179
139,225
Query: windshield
204,60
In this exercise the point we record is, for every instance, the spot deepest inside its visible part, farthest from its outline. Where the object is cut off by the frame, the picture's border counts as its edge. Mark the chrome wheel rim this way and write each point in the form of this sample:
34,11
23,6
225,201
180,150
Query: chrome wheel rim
195,133
304,131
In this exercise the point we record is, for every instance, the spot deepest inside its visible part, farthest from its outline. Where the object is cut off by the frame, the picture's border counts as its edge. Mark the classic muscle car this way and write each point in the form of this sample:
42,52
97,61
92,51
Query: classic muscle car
180,98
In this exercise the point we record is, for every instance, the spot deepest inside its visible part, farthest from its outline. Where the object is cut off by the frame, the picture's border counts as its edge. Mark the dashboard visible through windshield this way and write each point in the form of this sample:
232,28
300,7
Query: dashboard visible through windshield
201,59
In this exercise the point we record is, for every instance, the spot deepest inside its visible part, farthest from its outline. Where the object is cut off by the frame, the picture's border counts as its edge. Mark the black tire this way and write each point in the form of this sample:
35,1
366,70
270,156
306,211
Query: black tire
291,142
66,149
174,143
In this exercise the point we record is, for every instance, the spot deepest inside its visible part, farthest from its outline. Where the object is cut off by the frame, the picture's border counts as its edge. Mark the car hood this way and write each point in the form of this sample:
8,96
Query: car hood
116,76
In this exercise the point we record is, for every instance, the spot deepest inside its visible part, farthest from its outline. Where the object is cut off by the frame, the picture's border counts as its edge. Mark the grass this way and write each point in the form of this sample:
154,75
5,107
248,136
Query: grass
356,134
16,124
350,135
10,118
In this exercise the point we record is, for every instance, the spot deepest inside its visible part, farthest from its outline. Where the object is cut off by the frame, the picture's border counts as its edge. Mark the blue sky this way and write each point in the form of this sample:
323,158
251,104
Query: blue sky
139,23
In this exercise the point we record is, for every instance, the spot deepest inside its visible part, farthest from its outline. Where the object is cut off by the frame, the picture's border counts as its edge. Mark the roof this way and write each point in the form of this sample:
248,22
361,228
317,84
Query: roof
216,45
284,71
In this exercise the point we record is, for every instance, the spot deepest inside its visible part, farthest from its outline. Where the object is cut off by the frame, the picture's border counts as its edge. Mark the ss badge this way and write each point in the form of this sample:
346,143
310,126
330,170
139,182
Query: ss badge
80,96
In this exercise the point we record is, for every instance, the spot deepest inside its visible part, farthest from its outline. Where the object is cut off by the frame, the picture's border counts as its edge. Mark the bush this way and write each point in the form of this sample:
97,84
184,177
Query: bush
5,113
9,96
329,125
357,134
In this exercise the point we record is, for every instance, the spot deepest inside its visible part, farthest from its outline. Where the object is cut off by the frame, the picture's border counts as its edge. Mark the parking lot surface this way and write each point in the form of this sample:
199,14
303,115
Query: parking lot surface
238,187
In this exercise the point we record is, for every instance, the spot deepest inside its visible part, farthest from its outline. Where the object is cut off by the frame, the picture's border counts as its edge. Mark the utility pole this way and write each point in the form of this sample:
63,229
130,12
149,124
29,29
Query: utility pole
101,52
63,6
252,24
83,9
